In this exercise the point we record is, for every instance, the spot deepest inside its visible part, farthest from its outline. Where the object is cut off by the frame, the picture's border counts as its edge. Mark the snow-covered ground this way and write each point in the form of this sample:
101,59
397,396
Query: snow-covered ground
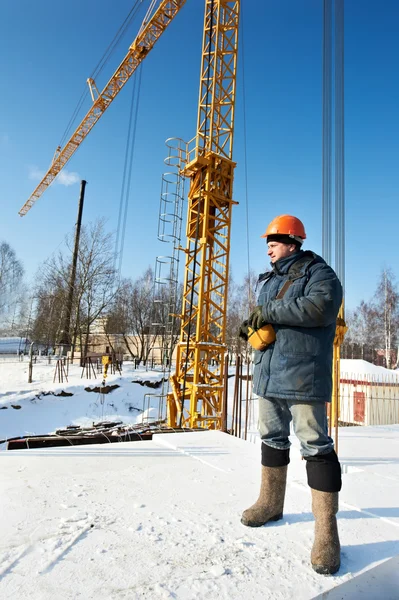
161,518
37,413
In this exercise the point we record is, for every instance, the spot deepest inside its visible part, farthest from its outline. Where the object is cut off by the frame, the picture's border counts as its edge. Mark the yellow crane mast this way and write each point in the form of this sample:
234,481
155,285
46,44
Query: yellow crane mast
144,42
197,385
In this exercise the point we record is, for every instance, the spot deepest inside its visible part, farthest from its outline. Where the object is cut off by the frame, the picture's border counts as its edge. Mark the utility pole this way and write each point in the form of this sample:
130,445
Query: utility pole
65,337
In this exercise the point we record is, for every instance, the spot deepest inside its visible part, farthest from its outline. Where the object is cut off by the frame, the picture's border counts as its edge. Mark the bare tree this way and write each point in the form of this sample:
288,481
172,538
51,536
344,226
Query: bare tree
241,301
117,322
140,314
387,306
373,326
51,296
11,287
94,288
362,325
363,335
51,292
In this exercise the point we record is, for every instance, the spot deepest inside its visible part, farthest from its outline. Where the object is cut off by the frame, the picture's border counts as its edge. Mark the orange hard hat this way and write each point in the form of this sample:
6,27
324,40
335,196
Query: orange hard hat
286,225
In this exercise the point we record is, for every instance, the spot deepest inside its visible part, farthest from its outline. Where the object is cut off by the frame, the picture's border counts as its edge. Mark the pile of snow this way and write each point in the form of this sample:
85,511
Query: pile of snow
350,368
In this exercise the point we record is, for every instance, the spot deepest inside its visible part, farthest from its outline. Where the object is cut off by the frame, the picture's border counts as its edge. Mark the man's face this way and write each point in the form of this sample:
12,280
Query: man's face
277,250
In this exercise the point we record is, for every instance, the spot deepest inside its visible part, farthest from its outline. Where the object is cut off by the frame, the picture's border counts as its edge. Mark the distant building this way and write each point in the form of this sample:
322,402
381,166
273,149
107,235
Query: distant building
100,344
14,345
369,394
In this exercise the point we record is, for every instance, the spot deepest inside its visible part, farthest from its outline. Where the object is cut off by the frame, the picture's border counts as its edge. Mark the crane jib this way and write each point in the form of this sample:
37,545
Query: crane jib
144,42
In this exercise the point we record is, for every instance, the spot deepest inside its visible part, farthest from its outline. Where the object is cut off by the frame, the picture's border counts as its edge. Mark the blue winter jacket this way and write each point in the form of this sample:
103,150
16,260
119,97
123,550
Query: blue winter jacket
298,365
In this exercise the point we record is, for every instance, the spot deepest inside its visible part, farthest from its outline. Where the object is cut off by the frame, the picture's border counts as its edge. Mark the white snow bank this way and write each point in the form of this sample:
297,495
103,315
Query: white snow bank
352,367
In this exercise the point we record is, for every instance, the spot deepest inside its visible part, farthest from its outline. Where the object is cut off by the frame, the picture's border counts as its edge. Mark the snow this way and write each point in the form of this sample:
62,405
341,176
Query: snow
161,518
362,368
40,414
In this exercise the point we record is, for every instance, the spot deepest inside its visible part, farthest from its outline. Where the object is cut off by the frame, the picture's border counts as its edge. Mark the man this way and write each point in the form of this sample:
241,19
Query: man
300,297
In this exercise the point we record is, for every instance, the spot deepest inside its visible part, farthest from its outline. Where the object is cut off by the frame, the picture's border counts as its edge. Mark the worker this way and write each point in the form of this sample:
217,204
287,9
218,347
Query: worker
300,298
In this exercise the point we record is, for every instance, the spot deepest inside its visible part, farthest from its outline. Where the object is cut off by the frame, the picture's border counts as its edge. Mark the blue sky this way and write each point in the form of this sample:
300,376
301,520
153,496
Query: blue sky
47,51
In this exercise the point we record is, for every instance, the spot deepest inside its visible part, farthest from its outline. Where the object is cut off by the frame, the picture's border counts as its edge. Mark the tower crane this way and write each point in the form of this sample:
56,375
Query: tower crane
197,384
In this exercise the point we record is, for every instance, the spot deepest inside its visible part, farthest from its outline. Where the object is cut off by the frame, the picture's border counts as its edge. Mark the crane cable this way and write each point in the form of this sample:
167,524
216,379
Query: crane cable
339,143
326,131
249,290
245,154
127,174
198,217
101,64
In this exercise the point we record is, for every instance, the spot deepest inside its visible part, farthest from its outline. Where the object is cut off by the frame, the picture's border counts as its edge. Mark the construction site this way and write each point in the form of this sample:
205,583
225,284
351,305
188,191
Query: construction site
128,456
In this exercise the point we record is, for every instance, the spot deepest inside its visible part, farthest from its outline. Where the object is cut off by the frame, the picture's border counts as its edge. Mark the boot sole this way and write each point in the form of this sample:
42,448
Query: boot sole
325,570
260,524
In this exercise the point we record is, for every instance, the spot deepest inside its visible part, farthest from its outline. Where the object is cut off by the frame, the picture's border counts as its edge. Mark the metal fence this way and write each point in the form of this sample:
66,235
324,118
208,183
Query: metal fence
369,399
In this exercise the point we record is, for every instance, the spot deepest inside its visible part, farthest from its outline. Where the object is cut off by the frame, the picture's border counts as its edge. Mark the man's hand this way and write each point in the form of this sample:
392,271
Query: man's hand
256,319
243,331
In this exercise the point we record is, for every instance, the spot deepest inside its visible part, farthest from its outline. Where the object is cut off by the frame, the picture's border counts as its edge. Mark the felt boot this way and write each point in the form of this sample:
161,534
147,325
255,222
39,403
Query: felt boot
269,506
326,549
